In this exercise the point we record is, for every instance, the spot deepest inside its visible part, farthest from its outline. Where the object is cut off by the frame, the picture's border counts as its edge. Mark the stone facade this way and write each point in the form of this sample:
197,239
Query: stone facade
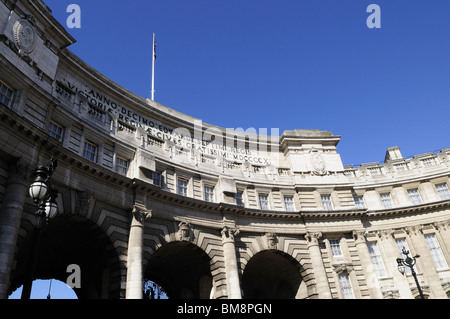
146,192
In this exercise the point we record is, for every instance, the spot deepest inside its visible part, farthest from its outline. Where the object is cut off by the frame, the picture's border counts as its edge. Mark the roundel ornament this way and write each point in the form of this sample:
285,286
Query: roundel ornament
24,36
318,163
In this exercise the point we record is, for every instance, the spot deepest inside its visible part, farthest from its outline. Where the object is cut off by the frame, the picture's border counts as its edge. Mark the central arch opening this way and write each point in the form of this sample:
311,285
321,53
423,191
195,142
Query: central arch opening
271,274
182,270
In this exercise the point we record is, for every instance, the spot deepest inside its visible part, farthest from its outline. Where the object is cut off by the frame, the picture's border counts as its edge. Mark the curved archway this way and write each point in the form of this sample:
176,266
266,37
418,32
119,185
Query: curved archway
182,270
271,274
69,243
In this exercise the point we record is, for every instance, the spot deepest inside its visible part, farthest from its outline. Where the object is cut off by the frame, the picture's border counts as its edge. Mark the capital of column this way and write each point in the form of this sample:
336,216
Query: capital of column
313,238
414,230
139,214
442,225
385,234
228,234
359,236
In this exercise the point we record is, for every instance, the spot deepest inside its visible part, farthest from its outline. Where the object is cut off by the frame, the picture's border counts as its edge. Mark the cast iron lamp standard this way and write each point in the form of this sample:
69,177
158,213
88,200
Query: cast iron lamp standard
409,262
44,196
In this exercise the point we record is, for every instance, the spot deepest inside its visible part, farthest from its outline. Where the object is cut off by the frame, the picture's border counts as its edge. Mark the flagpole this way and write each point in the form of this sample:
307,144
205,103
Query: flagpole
153,68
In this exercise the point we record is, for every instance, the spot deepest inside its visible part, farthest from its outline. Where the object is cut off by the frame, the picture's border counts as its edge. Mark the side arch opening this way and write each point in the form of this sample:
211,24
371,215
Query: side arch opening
271,274
182,270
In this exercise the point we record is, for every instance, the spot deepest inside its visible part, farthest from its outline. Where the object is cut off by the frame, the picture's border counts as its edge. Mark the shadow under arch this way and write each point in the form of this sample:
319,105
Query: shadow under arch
182,269
271,274
72,240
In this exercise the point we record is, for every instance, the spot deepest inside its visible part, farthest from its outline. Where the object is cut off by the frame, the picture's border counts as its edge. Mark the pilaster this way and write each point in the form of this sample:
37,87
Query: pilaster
320,275
366,264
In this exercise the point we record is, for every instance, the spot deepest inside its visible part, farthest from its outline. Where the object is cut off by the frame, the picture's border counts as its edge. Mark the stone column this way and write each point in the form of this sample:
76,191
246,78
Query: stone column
231,267
366,264
320,275
430,274
10,217
135,288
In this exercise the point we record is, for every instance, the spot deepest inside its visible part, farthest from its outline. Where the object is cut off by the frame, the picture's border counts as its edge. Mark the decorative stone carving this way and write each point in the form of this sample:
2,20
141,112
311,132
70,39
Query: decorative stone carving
343,268
25,36
359,236
385,234
229,233
313,238
318,164
83,202
140,213
184,231
391,294
271,241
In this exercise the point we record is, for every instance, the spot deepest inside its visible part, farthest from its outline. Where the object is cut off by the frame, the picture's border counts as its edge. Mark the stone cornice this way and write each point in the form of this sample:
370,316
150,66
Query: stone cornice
422,208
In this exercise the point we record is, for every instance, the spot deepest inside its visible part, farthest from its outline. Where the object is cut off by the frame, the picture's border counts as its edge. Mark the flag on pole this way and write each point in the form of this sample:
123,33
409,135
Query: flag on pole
153,68
154,50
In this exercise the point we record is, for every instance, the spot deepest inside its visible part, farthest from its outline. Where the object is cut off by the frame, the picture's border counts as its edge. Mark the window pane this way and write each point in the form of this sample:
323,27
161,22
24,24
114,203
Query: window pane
90,151
335,248
326,202
443,191
5,95
359,202
289,203
263,201
436,252
182,187
239,199
386,201
209,193
415,196
55,131
122,165
376,259
156,178
346,287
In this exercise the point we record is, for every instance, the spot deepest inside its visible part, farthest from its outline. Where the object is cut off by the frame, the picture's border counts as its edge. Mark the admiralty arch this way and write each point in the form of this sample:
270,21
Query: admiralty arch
147,193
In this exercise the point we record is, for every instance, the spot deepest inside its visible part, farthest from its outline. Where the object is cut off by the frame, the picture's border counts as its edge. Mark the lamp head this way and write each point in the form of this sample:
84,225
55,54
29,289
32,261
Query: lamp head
39,188
51,207
400,266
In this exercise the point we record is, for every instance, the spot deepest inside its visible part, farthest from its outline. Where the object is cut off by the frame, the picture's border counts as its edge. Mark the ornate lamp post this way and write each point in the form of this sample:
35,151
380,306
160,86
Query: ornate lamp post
44,196
409,262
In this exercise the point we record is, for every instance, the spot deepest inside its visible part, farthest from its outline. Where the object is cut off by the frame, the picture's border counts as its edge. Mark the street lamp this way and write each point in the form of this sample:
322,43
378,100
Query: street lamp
409,262
44,196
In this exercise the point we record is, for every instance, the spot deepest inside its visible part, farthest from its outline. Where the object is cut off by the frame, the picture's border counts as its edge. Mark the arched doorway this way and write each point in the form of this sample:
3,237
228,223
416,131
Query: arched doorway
71,246
182,270
271,274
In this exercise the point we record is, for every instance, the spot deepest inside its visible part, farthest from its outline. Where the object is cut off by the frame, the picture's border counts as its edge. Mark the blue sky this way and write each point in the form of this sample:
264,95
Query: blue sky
306,64
41,288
